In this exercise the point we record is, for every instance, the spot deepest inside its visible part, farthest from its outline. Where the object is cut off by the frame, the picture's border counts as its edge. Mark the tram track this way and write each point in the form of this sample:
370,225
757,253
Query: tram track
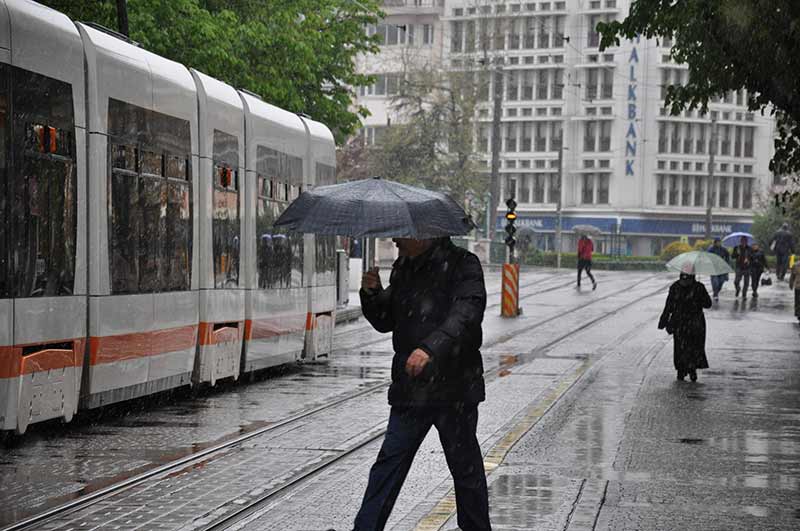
244,511
250,511
491,295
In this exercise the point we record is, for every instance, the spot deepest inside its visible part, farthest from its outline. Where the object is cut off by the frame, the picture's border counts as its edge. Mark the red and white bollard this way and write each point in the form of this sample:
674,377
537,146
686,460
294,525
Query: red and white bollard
509,306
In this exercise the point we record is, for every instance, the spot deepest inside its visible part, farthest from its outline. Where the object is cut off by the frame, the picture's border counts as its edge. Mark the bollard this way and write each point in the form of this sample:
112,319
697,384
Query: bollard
509,306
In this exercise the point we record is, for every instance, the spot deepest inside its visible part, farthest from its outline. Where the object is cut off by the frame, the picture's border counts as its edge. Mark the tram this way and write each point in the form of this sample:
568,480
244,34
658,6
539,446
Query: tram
137,199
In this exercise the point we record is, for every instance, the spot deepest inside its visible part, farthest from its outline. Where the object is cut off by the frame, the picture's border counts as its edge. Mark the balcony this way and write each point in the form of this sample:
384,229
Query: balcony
413,7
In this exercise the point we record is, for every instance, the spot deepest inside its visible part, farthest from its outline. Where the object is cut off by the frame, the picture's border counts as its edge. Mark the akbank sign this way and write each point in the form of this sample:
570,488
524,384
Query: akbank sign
631,141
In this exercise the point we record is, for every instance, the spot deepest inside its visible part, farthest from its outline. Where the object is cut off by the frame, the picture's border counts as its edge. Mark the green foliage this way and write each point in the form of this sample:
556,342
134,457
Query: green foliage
729,45
674,249
702,245
296,54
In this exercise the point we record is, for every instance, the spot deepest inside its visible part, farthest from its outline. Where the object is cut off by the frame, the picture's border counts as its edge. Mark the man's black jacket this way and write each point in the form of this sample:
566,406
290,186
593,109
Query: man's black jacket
434,302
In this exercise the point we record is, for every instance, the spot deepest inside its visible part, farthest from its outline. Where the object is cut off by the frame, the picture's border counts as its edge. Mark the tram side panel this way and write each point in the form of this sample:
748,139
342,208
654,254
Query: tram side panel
42,165
276,301
321,170
143,150
221,178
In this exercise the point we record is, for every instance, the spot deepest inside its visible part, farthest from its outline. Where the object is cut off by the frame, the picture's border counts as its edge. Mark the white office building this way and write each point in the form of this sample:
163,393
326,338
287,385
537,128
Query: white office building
629,168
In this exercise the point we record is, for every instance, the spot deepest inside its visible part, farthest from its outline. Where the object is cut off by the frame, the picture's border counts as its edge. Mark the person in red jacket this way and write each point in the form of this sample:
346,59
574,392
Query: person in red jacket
585,248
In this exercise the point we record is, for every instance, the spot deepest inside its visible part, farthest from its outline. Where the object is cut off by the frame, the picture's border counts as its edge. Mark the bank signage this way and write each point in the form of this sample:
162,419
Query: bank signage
631,226
631,141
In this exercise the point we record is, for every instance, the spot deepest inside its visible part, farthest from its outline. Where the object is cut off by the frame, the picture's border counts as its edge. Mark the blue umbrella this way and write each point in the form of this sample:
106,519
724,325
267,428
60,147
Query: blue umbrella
732,240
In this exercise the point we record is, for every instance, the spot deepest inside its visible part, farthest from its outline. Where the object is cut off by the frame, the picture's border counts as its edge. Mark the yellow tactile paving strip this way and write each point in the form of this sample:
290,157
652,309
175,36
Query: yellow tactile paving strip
446,507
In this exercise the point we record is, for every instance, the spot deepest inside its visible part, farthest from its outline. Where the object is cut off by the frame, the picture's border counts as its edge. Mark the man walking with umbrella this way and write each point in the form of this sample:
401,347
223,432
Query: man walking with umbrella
741,258
783,246
718,280
434,307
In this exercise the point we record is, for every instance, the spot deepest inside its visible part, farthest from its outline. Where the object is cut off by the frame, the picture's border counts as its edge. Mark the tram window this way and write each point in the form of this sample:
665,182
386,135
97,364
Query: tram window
151,163
178,241
150,210
177,168
41,183
4,204
226,224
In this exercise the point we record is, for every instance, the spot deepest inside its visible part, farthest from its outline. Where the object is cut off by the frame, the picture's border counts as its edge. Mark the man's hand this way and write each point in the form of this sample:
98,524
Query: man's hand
371,280
416,362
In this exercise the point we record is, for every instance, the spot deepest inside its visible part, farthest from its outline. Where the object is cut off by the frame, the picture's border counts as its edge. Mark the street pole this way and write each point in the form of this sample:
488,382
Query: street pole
494,184
710,184
122,17
558,201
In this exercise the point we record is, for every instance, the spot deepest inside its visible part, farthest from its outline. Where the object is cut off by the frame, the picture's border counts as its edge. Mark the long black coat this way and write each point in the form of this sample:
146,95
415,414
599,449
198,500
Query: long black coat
434,302
683,317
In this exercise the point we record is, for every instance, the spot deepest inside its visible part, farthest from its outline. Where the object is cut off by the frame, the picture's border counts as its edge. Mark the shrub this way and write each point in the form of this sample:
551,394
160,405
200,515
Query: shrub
702,245
674,249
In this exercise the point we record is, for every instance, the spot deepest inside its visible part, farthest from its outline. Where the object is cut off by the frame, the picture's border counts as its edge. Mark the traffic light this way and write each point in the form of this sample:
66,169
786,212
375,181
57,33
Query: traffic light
511,216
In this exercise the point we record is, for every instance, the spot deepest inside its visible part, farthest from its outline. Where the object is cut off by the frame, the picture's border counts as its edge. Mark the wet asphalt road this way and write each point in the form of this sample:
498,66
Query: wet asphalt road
626,447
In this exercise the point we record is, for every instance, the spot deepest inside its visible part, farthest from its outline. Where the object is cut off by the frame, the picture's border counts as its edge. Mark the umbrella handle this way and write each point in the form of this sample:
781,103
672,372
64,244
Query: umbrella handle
368,254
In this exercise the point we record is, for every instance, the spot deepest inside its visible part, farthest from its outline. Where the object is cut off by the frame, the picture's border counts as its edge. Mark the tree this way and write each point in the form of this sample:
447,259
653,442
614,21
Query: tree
432,145
729,45
296,54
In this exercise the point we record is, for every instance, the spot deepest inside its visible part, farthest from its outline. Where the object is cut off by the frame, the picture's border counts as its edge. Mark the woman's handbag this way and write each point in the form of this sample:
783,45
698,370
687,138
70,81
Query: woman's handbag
766,281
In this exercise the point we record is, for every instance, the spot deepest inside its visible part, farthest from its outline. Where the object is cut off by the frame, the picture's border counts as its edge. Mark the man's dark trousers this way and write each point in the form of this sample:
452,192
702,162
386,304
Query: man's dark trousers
408,427
781,265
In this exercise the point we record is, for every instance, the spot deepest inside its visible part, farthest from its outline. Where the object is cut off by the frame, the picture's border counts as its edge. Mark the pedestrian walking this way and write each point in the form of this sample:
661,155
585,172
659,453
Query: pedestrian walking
683,318
783,245
758,263
741,258
794,283
585,249
717,281
434,307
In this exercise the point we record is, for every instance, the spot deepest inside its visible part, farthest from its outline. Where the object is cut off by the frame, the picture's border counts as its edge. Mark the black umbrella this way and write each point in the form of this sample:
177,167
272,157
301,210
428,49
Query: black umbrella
375,208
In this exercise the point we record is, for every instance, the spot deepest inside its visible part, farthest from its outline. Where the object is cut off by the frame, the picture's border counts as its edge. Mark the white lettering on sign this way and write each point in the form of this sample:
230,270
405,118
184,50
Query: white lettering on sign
718,228
529,222
630,138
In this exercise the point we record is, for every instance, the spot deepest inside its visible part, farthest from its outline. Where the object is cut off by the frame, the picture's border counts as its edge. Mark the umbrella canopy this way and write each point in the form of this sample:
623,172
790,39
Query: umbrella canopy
699,263
589,230
732,240
375,208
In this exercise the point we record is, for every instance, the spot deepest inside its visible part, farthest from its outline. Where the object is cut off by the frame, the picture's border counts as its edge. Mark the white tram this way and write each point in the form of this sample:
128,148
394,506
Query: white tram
156,264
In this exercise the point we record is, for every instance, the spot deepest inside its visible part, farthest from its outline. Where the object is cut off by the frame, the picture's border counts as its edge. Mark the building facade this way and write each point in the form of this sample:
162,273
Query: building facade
640,175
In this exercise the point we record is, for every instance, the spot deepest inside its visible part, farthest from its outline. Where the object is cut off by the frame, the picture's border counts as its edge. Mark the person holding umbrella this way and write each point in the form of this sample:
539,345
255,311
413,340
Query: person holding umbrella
741,258
717,281
585,249
433,306
758,263
783,245
683,319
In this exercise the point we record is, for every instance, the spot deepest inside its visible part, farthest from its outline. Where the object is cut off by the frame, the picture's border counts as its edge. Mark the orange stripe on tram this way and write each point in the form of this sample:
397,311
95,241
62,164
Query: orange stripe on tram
121,347
14,364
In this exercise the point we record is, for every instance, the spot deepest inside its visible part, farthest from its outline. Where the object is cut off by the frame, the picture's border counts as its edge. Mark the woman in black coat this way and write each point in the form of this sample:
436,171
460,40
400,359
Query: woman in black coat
683,317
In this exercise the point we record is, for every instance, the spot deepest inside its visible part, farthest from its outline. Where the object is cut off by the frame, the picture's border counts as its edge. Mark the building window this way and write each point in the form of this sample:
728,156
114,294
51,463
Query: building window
699,191
602,189
511,137
553,190
587,189
527,133
524,188
511,186
591,84
747,193
737,192
427,34
661,190
724,195
538,187
686,191
673,190
662,137
456,36
748,141
605,135
512,86
557,91
541,85
589,136
607,88
555,136
540,140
